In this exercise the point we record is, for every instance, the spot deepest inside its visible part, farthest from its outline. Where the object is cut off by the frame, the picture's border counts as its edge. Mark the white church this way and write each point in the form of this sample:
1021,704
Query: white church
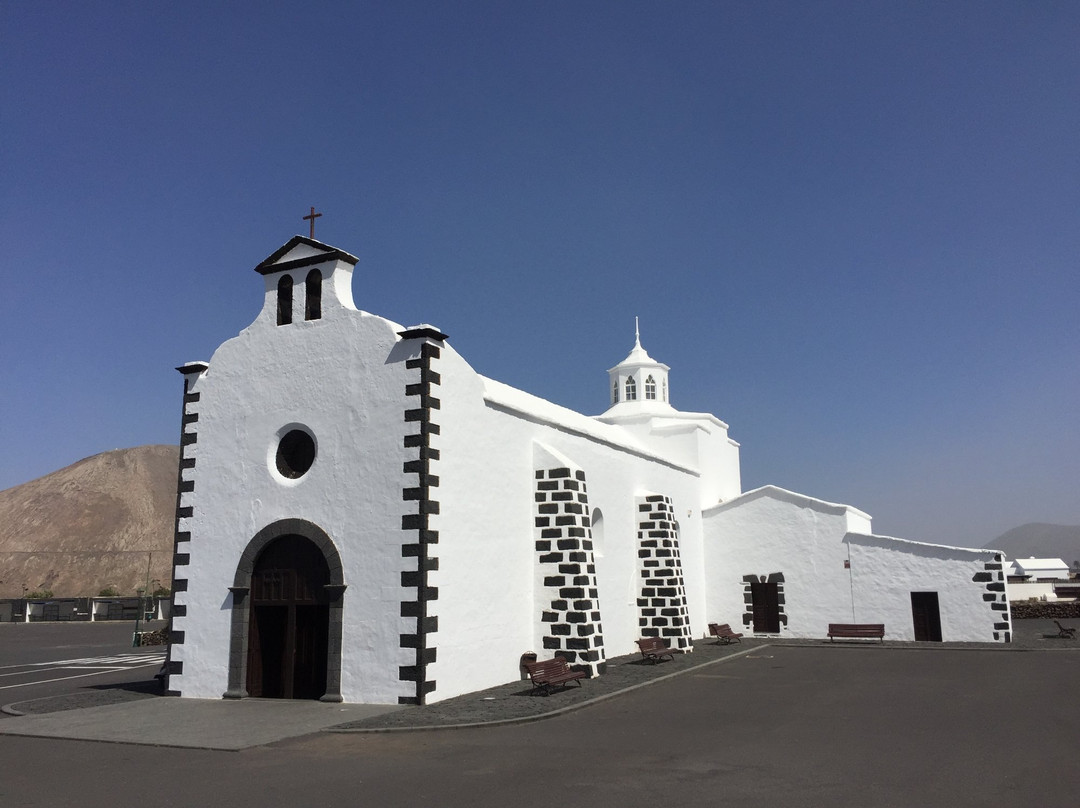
363,517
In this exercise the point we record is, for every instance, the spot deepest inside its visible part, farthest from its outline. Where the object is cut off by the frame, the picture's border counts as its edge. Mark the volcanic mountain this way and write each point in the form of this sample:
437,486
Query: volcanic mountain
106,521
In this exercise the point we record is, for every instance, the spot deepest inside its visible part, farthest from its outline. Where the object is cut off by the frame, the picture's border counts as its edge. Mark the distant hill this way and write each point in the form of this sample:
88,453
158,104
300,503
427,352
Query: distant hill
1040,540
94,524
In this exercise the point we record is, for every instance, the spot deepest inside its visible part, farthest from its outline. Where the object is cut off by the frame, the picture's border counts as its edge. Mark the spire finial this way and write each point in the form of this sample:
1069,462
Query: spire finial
637,333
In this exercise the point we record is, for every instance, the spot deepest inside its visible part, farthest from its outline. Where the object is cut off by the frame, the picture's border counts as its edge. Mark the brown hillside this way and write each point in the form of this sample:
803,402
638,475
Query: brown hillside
94,524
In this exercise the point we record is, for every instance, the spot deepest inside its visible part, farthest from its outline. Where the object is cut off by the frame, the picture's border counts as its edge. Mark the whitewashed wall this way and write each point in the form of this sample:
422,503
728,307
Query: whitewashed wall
487,560
770,530
885,571
1026,591
833,573
342,377
696,440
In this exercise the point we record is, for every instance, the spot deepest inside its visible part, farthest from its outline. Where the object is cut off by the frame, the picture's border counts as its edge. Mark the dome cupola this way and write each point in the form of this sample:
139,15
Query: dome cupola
638,382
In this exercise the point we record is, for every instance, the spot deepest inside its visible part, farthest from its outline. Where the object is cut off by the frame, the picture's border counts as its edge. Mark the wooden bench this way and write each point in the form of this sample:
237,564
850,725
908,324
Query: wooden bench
723,633
549,673
653,649
1065,631
858,631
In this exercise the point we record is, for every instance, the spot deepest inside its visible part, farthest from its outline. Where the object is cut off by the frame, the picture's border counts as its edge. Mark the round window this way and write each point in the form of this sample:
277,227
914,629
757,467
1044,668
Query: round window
295,454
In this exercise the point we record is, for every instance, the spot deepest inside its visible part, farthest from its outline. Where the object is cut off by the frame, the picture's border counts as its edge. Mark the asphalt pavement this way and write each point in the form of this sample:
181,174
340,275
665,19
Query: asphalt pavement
807,725
134,714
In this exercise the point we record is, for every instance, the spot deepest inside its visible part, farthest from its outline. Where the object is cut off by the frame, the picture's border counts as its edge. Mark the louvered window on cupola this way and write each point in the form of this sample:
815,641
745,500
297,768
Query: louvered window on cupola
284,300
631,389
615,392
650,388
313,295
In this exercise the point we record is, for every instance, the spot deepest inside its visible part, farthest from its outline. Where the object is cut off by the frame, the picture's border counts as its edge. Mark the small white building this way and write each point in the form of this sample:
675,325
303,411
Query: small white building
1039,569
363,517
1039,578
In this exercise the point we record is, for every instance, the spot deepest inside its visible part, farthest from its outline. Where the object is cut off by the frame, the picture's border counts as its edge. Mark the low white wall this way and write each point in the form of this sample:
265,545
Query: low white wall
831,575
885,571
1026,591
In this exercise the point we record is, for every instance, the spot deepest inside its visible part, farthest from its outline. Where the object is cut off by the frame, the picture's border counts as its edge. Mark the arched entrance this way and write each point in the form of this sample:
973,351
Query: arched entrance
289,622
286,615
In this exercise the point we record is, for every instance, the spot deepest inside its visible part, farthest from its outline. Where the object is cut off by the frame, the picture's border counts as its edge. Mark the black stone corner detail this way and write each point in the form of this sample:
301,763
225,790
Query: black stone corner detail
993,584
420,486
189,419
423,332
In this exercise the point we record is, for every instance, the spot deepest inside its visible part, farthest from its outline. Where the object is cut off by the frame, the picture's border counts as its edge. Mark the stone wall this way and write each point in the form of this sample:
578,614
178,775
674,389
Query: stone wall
159,637
1044,610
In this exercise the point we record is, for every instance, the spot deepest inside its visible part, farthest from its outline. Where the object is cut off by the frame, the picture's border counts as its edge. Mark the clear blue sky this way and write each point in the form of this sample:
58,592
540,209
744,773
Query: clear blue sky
852,229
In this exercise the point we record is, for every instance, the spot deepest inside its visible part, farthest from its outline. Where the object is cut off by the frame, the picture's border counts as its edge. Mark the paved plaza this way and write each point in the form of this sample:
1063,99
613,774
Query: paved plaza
808,724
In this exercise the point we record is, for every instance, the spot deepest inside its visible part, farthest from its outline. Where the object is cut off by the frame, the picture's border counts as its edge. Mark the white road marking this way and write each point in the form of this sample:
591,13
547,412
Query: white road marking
63,678
121,659
94,666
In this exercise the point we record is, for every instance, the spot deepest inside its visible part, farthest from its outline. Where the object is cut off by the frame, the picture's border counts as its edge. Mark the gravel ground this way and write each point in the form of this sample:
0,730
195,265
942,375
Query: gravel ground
515,701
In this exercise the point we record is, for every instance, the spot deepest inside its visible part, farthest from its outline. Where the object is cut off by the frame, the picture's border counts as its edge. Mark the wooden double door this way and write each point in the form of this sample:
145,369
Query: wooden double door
289,621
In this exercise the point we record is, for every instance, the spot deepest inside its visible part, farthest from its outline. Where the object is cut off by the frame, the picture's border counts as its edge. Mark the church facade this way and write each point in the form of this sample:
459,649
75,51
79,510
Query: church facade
363,517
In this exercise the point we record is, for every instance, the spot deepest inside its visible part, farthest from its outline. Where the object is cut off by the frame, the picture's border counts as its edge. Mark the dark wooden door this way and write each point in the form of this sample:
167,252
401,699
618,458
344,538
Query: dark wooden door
309,651
926,616
289,623
766,601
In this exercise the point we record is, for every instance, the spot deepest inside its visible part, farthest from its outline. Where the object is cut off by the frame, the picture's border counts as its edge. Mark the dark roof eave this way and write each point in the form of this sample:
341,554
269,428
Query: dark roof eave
270,265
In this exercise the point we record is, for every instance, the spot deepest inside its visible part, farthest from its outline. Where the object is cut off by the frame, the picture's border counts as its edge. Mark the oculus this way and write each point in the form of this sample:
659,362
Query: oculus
295,454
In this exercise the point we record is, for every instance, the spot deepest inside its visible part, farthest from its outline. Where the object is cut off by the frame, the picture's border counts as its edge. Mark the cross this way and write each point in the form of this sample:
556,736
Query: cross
312,217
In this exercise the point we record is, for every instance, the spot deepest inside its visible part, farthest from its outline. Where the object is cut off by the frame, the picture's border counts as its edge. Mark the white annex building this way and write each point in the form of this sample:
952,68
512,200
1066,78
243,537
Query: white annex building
363,517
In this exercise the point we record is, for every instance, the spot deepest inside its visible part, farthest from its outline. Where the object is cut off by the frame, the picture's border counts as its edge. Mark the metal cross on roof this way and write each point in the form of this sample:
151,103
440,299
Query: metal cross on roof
312,217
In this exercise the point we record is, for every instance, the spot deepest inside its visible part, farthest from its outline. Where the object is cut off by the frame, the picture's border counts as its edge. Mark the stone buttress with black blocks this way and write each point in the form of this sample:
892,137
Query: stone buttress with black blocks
662,610
567,593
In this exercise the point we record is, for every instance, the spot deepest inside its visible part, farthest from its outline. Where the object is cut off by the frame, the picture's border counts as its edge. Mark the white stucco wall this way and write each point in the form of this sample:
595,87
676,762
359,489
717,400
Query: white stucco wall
834,574
1027,591
696,440
768,531
885,571
258,384
489,433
